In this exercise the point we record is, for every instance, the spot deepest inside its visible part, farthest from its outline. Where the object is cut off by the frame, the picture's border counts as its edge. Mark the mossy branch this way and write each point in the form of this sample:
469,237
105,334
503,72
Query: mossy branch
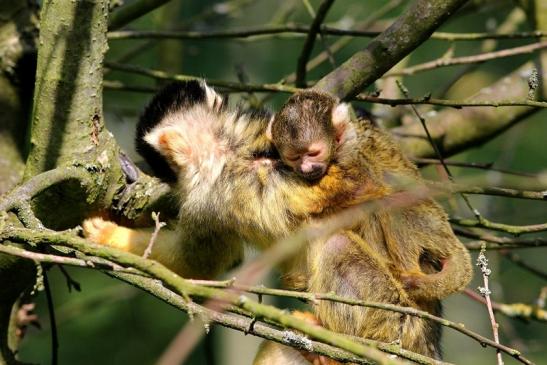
186,289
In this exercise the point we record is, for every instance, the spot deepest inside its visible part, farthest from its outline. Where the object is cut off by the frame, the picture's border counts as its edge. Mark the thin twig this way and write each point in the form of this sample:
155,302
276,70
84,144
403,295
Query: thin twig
516,310
71,283
158,226
438,153
482,262
313,297
273,88
517,260
53,323
259,329
514,230
89,261
530,242
300,30
473,165
310,40
495,191
427,100
483,57
162,75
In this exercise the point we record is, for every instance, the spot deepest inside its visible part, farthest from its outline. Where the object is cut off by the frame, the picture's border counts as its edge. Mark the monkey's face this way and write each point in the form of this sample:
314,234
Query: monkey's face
310,162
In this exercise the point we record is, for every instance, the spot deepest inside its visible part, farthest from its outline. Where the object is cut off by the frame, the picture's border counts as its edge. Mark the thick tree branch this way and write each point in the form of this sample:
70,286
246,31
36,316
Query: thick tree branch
409,31
457,130
132,11
67,112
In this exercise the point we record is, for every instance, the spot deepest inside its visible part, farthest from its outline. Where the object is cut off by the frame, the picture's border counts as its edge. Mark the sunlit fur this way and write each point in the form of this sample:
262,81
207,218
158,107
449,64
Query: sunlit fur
233,191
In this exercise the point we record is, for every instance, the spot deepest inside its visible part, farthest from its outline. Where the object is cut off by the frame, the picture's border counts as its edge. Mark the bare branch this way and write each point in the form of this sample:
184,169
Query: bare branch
300,30
310,40
157,226
132,11
482,262
515,310
530,242
515,230
483,57
412,28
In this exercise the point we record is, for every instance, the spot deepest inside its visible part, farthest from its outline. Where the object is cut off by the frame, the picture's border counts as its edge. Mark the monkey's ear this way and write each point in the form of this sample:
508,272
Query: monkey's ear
172,144
269,128
340,114
340,121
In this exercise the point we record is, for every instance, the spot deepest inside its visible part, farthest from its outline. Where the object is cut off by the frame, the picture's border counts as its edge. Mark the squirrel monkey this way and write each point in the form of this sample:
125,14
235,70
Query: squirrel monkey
307,132
233,189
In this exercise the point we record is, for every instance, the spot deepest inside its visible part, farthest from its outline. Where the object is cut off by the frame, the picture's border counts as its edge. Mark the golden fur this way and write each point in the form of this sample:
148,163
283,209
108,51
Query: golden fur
232,191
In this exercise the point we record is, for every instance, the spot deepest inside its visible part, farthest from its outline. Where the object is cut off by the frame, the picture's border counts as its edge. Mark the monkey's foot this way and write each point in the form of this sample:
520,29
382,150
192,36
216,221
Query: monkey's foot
100,231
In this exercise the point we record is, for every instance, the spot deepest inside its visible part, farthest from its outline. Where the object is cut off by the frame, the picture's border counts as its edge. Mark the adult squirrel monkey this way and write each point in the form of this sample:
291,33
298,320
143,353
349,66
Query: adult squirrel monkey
233,188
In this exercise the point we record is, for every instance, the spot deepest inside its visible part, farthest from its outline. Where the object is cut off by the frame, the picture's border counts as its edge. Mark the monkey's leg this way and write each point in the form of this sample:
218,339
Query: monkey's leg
188,257
346,265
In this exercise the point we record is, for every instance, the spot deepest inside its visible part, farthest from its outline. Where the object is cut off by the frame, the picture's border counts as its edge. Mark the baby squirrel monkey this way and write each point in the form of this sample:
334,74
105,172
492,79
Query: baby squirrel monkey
307,132
232,189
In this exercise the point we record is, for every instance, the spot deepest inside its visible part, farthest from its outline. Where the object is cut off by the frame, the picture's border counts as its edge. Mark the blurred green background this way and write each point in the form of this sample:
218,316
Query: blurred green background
109,322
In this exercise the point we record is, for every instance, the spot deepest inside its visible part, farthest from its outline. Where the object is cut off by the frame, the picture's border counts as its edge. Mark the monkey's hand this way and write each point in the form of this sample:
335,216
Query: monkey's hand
107,233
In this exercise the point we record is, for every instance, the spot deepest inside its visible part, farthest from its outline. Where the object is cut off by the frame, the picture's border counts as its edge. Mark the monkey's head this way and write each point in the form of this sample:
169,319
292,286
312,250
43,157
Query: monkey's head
308,130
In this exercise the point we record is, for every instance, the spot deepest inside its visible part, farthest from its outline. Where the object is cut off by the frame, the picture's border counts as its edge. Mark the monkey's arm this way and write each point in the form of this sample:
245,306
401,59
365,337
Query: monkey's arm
188,257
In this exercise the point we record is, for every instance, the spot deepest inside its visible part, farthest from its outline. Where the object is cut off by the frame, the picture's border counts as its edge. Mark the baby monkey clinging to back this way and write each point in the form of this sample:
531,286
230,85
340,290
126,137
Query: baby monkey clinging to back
308,130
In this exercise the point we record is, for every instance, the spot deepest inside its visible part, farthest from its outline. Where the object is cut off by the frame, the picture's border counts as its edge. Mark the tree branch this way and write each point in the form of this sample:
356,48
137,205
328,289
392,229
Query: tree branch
310,40
530,242
132,11
456,131
300,30
187,289
412,28
514,230
465,60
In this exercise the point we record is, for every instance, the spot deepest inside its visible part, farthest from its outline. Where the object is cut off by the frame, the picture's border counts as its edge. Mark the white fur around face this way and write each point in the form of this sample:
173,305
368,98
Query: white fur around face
189,141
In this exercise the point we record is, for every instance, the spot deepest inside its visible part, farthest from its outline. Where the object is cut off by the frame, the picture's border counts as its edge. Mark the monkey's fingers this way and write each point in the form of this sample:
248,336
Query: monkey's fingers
105,232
